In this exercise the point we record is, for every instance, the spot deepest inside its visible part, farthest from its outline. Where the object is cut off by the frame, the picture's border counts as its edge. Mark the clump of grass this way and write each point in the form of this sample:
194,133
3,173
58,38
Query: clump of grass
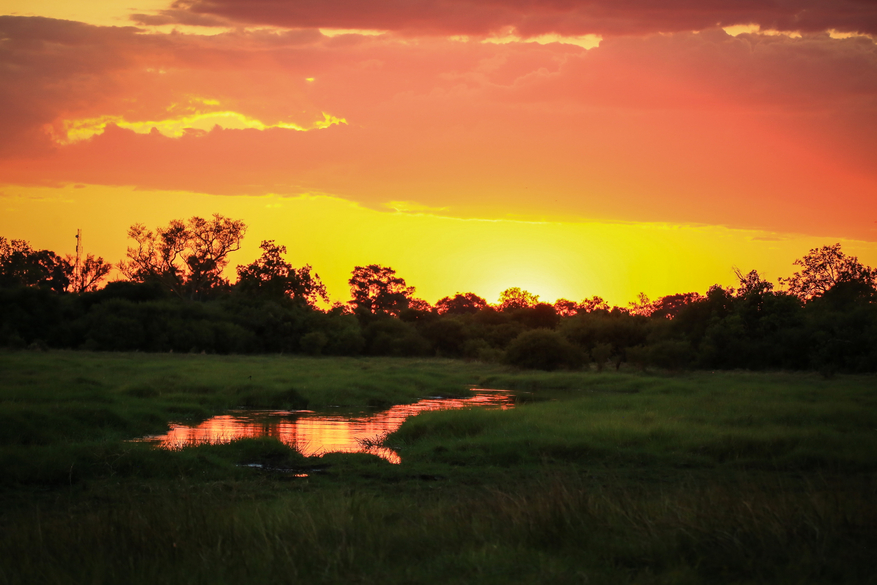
266,452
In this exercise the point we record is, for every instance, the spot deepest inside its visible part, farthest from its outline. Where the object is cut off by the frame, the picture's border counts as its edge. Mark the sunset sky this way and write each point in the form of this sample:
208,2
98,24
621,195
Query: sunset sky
571,148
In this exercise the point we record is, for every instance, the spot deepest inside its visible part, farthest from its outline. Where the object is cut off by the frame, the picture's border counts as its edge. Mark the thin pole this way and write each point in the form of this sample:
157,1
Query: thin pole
77,270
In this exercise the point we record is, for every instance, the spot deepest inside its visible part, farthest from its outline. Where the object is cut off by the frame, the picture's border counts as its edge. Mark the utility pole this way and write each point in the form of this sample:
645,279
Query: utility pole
77,269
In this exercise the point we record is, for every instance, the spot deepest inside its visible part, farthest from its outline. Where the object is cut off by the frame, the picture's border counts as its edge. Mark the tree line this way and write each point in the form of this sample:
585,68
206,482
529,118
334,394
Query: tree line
173,297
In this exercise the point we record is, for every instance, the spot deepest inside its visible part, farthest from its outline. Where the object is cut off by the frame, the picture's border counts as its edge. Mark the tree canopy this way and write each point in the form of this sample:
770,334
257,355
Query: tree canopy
827,320
187,257
376,289
460,304
21,265
516,298
273,277
823,268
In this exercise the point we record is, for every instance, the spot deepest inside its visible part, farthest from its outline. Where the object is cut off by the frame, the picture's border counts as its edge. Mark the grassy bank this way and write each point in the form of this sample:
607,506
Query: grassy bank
600,478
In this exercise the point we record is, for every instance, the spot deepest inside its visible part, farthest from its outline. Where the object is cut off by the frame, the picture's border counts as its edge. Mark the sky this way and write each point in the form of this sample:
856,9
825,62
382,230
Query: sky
571,148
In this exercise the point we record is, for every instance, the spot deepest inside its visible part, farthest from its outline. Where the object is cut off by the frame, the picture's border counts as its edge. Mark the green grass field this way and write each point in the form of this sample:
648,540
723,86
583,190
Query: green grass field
593,478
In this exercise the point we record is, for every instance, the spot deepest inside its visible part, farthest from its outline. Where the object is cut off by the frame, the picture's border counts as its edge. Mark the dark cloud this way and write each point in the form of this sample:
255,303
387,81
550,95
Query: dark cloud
53,70
51,66
536,17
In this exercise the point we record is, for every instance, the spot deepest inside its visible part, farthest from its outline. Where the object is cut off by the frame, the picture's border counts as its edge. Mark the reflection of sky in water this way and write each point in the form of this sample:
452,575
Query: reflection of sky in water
315,433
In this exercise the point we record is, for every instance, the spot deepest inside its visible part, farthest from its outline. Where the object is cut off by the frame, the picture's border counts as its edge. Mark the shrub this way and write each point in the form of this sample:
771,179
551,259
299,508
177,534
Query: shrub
601,353
672,355
313,343
542,349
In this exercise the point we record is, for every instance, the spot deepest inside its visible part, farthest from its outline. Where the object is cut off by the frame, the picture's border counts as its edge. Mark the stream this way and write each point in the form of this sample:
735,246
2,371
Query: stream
326,431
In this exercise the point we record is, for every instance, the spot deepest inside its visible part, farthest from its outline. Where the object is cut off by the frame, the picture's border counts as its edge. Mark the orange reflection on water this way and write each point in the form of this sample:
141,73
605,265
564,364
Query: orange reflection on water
316,433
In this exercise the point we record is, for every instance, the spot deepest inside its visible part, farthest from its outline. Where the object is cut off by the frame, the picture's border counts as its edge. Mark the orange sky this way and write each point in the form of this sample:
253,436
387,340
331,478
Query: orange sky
570,148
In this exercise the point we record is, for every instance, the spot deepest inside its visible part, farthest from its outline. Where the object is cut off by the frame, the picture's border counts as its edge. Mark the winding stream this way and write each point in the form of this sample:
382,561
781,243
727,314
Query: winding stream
318,432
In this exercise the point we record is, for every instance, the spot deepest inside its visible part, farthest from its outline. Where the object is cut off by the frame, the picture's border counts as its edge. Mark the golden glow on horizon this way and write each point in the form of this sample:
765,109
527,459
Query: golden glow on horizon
77,130
438,255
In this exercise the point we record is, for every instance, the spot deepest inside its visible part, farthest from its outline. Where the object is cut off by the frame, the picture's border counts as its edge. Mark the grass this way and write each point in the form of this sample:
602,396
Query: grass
750,421
598,478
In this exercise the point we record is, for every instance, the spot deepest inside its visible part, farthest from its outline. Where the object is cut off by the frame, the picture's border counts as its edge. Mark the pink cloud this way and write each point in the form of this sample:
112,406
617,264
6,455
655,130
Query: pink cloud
532,17
749,131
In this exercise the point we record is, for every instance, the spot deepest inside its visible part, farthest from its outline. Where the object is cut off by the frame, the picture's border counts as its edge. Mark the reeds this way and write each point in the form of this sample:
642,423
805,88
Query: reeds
557,527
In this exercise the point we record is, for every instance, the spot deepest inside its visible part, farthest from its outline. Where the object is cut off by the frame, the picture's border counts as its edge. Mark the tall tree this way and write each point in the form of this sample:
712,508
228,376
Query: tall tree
752,283
271,276
825,267
376,289
187,257
515,298
92,271
21,265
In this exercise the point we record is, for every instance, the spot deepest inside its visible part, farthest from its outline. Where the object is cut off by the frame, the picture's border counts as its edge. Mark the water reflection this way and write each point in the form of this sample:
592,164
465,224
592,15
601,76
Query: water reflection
315,433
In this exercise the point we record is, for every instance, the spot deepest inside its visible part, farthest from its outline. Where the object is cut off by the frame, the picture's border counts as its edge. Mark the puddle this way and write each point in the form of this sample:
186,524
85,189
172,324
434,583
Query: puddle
315,433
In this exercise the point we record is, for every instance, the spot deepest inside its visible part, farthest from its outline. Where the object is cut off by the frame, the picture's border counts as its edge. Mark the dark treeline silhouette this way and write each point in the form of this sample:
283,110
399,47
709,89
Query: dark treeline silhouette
175,298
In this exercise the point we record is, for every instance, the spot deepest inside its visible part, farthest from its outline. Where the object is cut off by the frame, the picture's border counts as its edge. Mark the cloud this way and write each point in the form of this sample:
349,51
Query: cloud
536,17
767,132
184,18
56,73
197,123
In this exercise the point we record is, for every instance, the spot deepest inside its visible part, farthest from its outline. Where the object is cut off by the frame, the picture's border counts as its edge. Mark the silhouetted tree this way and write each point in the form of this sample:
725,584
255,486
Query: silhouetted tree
539,316
187,257
566,308
461,304
822,269
92,271
21,265
592,304
447,336
418,311
515,298
420,305
376,289
843,328
270,276
751,283
395,337
670,305
543,349
642,306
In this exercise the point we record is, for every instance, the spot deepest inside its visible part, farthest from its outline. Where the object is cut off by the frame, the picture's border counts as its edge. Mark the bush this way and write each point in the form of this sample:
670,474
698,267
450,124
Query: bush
601,354
390,336
543,349
672,355
313,343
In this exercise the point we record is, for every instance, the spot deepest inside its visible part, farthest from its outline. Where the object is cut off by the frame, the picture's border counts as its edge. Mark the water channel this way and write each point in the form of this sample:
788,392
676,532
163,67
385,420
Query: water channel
318,432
